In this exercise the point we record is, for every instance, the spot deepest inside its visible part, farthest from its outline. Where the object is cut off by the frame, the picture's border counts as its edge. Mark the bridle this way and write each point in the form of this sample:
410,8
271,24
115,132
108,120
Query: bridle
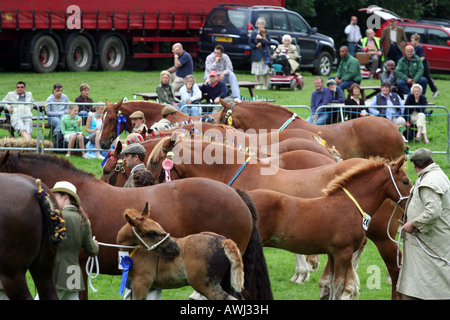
118,168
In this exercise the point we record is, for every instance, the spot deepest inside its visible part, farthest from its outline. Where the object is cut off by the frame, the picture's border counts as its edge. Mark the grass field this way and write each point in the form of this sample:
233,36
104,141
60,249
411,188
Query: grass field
117,85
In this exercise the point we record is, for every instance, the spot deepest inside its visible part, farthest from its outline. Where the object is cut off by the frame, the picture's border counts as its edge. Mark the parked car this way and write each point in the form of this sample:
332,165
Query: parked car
232,25
435,36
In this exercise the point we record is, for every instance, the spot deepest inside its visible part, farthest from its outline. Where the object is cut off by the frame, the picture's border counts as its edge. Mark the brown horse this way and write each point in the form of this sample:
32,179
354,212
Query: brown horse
28,218
331,224
182,208
361,137
208,262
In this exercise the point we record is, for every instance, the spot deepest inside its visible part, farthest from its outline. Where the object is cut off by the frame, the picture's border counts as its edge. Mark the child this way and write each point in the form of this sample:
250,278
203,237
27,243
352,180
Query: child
420,52
71,129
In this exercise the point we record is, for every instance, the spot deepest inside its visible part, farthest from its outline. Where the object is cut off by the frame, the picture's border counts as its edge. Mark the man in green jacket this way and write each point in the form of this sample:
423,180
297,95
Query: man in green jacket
410,71
349,71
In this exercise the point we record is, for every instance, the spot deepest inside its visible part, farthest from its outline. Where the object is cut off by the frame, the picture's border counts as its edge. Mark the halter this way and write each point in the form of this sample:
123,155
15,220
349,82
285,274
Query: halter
228,120
153,247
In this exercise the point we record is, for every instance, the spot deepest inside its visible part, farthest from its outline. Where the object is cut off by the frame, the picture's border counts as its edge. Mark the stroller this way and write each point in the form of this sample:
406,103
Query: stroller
278,79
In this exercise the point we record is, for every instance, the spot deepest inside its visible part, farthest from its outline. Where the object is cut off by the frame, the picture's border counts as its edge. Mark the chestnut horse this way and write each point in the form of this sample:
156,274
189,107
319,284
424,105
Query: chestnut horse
208,262
357,138
331,224
28,218
305,183
182,207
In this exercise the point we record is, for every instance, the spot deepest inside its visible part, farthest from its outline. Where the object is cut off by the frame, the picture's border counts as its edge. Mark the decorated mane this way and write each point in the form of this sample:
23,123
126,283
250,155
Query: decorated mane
344,179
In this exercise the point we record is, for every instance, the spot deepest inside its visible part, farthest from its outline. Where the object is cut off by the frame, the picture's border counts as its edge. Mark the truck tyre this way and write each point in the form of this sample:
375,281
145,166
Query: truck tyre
324,64
112,54
79,54
45,54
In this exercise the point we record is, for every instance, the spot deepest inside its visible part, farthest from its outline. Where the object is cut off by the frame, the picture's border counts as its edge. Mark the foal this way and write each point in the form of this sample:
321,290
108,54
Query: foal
208,262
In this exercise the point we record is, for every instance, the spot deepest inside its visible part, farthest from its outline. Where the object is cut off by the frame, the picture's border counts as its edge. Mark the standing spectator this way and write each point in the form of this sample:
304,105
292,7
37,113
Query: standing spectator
259,42
166,94
416,98
216,89
321,96
55,112
394,38
353,35
389,75
410,71
94,127
84,98
387,98
354,99
182,66
420,52
21,116
221,62
71,129
372,46
424,271
348,71
191,94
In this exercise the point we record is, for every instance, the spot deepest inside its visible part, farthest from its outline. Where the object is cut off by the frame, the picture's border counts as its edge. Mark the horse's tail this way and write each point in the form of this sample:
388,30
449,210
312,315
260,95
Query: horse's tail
237,266
53,222
257,282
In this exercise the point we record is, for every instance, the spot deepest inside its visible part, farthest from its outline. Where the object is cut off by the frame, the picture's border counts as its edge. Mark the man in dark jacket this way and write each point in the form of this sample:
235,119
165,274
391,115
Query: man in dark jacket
216,89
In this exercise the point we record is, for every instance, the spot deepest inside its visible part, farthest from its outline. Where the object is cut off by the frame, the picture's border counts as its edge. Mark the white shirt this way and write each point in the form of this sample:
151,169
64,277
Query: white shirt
393,35
353,33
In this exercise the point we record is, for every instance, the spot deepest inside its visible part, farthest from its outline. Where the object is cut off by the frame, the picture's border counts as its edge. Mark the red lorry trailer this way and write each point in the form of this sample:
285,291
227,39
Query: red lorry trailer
78,35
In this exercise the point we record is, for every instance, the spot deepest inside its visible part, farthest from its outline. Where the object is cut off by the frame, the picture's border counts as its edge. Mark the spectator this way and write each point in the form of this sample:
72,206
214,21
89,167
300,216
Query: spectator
348,71
353,35
84,98
286,54
420,52
169,116
259,42
216,89
394,38
416,98
190,94
354,99
387,98
21,116
372,46
71,129
389,75
94,127
55,112
410,71
424,270
337,97
321,96
221,62
182,66
138,123
165,90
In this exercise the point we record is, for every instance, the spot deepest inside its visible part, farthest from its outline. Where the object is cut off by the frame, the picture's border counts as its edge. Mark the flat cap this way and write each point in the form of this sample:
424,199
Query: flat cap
421,154
137,115
168,110
134,148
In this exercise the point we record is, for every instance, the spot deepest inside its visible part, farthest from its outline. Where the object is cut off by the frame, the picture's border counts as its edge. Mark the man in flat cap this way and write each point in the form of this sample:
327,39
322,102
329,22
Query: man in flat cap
138,123
133,157
169,117
425,267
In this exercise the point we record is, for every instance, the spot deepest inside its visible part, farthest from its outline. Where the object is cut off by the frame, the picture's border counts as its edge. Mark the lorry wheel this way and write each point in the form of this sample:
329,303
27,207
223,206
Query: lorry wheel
79,54
45,54
112,54
324,64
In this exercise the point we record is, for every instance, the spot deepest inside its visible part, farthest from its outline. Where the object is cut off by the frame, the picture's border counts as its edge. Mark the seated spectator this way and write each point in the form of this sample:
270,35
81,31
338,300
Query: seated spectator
286,54
321,96
94,127
337,97
372,46
21,115
389,75
221,62
71,129
349,71
354,98
165,91
55,112
190,94
409,71
387,98
216,89
138,123
84,98
169,116
417,115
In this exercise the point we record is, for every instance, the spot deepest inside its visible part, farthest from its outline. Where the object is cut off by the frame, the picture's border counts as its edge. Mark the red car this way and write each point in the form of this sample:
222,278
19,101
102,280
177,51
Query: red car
435,37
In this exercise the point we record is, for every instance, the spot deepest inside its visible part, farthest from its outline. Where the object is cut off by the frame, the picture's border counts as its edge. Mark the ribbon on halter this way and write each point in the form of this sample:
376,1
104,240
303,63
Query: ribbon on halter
168,165
366,217
127,264
121,118
287,122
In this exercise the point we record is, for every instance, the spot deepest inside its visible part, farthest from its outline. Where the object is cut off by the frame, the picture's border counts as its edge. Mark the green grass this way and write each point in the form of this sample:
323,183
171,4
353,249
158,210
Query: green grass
116,85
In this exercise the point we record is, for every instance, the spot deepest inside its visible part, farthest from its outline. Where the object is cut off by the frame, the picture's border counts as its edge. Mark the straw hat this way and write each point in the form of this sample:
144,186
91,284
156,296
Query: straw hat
67,187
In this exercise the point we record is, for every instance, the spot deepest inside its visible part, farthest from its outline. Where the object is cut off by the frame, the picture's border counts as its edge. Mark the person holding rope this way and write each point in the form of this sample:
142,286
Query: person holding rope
425,272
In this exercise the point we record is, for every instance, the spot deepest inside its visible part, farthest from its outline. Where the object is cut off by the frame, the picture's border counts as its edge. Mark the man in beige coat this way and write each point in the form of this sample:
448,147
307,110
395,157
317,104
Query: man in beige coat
394,39
425,272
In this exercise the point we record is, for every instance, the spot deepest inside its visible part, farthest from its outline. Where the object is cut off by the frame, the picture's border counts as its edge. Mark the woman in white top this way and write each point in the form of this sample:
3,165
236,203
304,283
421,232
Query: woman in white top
94,126
190,94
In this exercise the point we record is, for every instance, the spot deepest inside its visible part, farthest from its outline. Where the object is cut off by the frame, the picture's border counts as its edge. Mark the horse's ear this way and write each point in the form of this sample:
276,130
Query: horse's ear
146,212
118,147
130,220
398,164
224,104
107,102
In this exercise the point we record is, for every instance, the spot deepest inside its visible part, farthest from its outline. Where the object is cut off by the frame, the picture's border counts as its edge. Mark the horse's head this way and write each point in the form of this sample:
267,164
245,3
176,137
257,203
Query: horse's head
155,162
114,172
113,125
402,183
151,232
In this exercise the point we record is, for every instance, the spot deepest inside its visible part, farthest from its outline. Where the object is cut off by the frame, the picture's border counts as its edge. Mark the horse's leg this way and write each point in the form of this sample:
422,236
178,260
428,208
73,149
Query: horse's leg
16,287
301,270
313,262
352,284
326,280
42,272
342,261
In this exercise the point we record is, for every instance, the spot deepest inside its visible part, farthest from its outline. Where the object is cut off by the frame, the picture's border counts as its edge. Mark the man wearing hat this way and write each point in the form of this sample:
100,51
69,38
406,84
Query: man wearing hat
133,156
169,117
425,270
138,123
216,89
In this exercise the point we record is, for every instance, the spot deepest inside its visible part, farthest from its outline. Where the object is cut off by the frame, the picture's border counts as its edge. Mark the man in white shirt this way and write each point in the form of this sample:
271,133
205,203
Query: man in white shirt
353,35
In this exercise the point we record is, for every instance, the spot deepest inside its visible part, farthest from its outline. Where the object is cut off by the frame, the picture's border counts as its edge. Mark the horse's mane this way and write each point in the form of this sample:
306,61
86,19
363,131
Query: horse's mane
344,179
158,151
258,104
